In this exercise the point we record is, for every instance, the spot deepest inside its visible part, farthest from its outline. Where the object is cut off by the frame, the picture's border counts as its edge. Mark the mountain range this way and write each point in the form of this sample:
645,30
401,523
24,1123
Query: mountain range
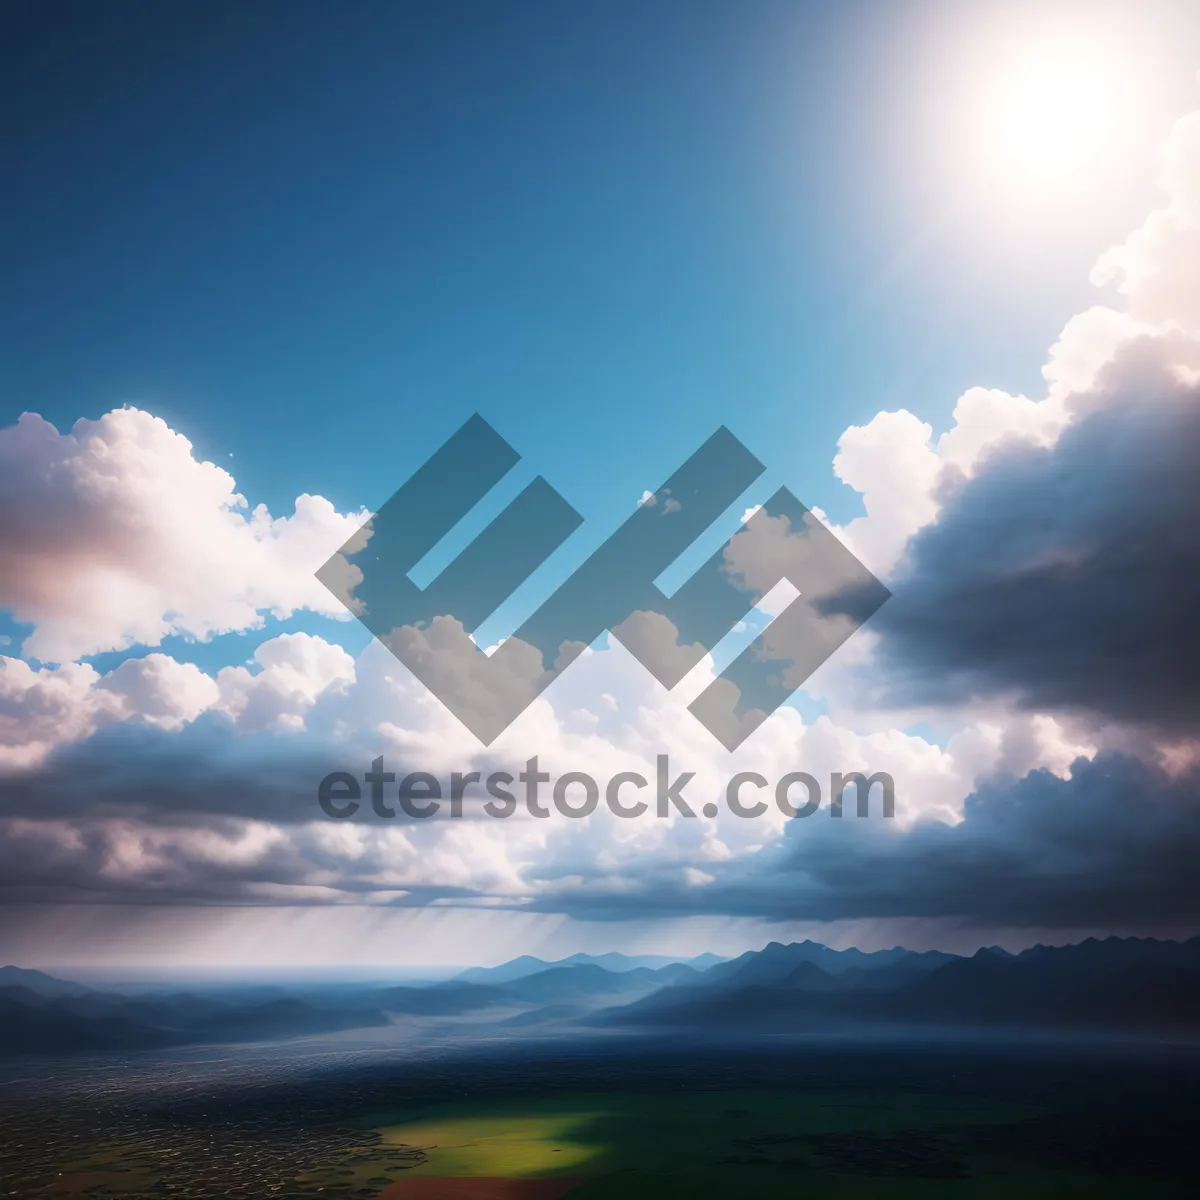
519,968
1131,985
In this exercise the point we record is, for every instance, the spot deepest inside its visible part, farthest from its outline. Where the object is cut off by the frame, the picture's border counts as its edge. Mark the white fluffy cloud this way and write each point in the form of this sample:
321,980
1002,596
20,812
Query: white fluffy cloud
40,709
115,535
44,708
1154,269
160,691
294,669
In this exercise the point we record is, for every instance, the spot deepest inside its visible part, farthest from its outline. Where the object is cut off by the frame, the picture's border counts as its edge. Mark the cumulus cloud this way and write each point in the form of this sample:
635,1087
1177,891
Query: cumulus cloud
1115,842
160,691
1061,568
292,672
116,535
41,708
229,771
1154,269
1069,575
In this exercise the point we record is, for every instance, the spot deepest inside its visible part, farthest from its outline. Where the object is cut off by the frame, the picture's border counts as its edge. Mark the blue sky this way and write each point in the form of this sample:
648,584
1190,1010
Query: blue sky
319,239
315,238
315,241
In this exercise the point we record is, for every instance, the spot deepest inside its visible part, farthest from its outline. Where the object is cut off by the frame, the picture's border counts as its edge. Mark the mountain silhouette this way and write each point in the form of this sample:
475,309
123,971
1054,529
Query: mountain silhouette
1122,985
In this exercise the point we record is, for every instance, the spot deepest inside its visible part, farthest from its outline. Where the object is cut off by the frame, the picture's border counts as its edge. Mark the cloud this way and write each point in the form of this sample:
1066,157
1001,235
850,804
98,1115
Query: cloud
1069,576
43,709
1061,569
116,535
160,691
1154,269
904,474
1113,843
223,808
294,670
1044,559
40,709
125,811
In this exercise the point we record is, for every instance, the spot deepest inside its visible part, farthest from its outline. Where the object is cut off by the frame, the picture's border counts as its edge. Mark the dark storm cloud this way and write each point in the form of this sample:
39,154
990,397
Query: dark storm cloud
203,770
1069,576
199,816
210,771
1116,842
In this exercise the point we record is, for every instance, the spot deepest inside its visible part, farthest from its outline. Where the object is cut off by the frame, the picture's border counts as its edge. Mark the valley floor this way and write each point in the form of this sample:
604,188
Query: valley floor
614,1118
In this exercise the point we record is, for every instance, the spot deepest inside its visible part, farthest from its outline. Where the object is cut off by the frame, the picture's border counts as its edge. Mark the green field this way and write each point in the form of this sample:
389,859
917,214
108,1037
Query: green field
752,1144
647,1144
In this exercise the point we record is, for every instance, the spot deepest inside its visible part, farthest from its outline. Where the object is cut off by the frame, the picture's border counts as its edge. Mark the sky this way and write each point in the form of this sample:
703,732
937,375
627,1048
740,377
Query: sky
933,264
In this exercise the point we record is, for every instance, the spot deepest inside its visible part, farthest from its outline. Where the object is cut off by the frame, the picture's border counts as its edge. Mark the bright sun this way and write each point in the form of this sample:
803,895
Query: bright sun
1052,118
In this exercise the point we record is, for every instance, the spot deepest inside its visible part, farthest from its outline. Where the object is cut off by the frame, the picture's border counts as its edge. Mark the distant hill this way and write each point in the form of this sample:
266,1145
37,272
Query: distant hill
450,999
585,980
1130,983
516,968
64,1018
519,968
40,983
77,1020
1133,985
776,960
43,1028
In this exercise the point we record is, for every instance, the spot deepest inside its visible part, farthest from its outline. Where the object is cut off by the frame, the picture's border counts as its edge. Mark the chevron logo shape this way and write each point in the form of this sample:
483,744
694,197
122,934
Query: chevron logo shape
429,629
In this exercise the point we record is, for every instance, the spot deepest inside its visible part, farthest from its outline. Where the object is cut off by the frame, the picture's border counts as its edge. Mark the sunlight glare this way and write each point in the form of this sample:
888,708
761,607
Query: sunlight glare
1052,118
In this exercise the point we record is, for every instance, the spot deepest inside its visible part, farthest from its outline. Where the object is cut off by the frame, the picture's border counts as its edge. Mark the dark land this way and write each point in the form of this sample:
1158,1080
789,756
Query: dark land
794,1070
